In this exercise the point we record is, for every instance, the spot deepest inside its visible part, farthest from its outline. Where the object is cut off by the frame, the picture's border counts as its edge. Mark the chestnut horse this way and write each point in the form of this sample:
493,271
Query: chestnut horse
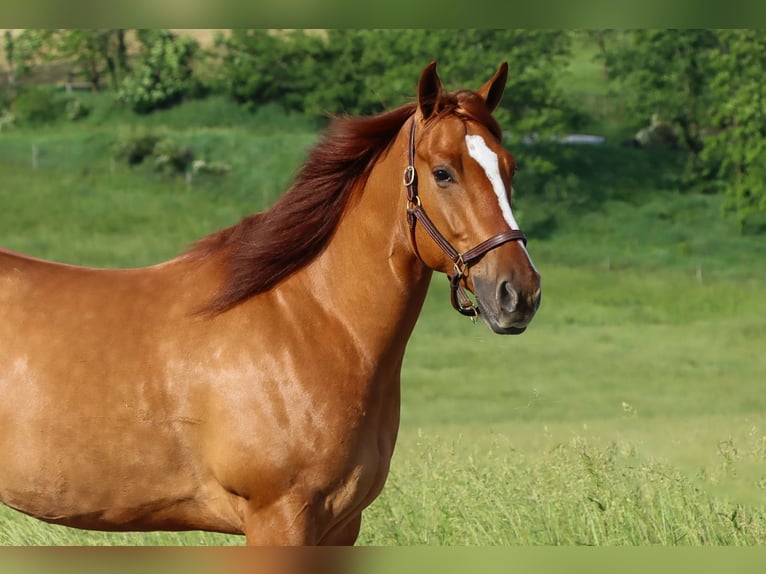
251,385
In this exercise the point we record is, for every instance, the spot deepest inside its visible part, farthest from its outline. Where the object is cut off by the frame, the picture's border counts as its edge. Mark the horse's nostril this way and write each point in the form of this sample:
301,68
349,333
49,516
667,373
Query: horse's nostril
507,297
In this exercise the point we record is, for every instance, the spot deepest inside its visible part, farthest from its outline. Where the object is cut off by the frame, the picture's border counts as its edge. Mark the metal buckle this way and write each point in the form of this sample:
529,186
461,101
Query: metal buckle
459,266
409,175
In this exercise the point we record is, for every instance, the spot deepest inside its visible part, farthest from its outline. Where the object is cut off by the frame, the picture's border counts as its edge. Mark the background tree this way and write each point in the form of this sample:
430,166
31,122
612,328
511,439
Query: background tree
259,67
162,74
666,74
8,49
735,153
368,71
93,54
26,50
89,54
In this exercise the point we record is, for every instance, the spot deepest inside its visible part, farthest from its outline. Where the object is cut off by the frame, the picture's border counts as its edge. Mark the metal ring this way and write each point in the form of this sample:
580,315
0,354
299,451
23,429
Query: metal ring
470,311
409,175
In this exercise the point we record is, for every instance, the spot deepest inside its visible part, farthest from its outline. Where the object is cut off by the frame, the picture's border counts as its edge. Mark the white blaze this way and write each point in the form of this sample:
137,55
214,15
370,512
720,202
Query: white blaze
487,159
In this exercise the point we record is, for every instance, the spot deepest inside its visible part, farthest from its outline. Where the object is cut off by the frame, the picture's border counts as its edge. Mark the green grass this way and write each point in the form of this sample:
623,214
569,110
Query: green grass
631,412
572,492
97,209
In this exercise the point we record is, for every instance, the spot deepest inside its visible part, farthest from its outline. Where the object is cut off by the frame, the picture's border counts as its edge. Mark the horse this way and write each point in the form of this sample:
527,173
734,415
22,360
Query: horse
251,385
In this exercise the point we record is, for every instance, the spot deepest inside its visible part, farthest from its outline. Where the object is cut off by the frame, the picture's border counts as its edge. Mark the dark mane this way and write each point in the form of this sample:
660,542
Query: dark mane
265,248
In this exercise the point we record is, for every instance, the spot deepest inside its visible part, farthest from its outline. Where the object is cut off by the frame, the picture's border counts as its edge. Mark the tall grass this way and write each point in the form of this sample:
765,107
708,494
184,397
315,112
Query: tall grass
443,491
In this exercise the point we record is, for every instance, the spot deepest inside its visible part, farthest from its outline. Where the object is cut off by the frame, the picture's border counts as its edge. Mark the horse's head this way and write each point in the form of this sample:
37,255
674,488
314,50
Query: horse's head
459,206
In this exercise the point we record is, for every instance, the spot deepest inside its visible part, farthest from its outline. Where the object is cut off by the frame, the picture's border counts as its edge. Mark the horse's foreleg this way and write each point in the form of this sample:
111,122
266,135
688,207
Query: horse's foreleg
284,523
344,534
289,523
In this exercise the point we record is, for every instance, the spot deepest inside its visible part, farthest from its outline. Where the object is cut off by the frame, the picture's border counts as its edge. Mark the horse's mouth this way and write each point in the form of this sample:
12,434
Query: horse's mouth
497,324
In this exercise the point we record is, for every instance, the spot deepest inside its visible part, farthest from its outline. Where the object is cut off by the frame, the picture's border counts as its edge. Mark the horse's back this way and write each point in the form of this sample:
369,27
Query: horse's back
54,309
17,274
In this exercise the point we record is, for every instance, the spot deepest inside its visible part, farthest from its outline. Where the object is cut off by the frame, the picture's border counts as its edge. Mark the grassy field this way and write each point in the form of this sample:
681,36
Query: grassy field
631,412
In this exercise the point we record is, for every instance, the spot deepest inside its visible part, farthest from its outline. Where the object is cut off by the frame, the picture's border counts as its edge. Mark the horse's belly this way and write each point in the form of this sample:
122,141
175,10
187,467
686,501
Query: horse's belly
170,513
117,497
120,470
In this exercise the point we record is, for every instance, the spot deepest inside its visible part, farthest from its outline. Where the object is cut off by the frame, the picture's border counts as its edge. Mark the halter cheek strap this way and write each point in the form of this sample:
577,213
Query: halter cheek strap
461,262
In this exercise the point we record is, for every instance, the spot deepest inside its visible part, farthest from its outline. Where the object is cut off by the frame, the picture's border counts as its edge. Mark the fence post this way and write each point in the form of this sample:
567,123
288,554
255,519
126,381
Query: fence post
34,156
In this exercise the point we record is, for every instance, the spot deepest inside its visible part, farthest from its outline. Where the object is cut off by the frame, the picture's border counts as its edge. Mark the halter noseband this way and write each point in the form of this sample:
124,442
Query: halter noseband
461,261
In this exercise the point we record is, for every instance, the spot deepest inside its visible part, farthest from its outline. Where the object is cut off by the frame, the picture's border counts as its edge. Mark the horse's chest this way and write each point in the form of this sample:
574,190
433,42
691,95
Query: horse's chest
333,453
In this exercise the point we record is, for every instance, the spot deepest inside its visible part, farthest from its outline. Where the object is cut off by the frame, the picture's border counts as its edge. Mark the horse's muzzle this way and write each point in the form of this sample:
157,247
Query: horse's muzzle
506,307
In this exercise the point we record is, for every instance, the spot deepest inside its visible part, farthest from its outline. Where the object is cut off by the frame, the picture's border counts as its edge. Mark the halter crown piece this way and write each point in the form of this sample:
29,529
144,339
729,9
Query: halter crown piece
461,262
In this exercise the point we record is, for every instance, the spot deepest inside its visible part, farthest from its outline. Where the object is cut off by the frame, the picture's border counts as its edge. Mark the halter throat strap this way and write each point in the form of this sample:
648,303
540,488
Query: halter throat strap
461,262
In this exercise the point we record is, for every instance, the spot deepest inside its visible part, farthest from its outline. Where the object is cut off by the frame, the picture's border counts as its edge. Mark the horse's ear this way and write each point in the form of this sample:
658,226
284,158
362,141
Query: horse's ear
429,90
492,91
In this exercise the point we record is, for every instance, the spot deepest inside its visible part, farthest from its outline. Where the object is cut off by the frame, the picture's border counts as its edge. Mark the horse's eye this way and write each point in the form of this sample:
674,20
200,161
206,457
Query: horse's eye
442,176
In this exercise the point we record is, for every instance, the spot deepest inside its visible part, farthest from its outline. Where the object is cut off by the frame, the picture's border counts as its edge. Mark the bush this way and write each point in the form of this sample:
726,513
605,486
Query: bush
7,120
38,106
137,148
6,96
162,76
76,110
171,157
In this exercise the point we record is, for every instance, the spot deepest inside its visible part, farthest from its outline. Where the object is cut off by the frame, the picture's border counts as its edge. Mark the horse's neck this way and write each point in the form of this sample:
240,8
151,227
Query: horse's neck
369,274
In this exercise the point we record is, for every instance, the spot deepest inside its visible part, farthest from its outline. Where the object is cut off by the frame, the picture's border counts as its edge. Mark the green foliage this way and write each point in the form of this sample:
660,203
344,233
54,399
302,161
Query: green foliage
708,85
76,109
368,71
36,106
27,50
136,148
163,75
8,46
736,152
93,54
260,67
90,54
42,105
169,156
663,74
7,120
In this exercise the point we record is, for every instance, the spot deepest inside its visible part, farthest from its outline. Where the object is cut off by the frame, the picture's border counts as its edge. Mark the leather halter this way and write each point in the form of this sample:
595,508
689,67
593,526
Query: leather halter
461,261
